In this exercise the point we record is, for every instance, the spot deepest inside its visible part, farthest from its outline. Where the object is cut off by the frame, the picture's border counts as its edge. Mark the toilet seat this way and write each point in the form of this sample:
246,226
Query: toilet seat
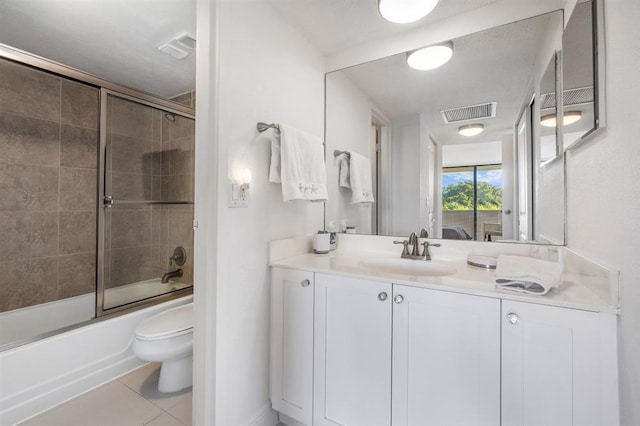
173,322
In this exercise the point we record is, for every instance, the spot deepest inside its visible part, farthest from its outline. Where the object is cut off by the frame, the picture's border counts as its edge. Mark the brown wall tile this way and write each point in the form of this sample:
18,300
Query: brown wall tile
78,189
29,92
77,232
131,265
27,140
76,275
78,147
127,186
177,188
131,119
129,155
28,235
180,228
130,228
80,104
28,283
28,188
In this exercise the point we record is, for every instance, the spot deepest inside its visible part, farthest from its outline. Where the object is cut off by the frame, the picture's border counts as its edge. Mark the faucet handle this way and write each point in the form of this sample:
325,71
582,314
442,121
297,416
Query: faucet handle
405,250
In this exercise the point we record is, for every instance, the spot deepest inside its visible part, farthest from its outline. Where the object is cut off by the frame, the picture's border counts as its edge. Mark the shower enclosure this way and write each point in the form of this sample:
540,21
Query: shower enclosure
96,198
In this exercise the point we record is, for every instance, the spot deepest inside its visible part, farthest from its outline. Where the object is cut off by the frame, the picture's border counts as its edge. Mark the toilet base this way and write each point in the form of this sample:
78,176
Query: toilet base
176,375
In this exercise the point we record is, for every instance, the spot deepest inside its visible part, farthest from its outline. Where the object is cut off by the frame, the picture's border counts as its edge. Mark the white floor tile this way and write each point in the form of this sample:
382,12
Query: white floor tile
165,420
144,381
182,411
109,405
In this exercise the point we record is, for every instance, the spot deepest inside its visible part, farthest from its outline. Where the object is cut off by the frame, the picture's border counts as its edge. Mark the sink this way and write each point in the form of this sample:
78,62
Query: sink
409,267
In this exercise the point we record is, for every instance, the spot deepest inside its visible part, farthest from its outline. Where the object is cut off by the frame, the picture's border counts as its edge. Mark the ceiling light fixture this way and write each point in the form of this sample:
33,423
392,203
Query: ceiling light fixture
405,11
430,57
569,117
471,129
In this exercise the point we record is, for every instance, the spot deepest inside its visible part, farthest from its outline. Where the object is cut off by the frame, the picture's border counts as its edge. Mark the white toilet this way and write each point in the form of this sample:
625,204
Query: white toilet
167,337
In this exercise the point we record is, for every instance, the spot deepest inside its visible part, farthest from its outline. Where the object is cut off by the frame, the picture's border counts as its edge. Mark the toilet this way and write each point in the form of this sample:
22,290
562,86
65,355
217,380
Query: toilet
167,337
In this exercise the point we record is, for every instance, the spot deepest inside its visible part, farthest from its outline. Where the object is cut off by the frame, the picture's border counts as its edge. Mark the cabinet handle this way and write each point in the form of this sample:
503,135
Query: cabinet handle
513,318
305,283
398,299
382,296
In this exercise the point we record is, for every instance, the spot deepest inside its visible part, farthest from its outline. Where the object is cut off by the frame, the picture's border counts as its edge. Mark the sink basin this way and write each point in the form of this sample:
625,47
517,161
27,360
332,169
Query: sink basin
409,267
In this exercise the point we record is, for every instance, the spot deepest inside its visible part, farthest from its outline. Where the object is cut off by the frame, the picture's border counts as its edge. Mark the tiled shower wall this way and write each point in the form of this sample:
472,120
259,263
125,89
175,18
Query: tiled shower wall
48,178
150,158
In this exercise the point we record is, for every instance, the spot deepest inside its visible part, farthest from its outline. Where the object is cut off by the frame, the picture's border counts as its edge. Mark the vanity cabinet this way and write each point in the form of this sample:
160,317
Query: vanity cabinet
427,356
292,343
352,366
446,358
558,366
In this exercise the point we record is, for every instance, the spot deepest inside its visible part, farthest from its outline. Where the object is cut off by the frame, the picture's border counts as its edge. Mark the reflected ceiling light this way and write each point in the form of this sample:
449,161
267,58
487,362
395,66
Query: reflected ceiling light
430,57
569,117
471,129
405,11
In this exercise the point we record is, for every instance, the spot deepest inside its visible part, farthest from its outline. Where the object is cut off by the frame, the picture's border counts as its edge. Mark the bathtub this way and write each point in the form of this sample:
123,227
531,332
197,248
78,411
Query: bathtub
27,323
39,375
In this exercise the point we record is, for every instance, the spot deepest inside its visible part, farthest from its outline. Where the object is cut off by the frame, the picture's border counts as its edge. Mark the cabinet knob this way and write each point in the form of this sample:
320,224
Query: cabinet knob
305,283
382,296
513,318
398,299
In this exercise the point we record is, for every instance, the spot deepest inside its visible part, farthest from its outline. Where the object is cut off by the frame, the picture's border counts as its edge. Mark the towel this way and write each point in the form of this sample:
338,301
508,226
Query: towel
360,179
302,169
342,161
273,135
527,275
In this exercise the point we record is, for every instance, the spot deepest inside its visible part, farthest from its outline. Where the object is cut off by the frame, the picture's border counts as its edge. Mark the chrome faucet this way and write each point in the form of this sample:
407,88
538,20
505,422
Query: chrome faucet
415,251
171,274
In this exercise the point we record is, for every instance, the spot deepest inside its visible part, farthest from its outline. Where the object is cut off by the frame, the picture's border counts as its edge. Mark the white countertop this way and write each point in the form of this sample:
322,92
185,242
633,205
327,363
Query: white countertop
580,289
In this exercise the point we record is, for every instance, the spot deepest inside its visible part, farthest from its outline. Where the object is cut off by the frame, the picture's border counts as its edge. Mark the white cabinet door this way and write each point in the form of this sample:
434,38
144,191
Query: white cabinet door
352,365
558,366
446,358
292,343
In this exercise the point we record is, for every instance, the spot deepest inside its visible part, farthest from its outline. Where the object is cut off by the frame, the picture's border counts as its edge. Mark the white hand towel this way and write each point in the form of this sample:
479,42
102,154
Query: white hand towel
360,179
342,161
302,168
527,275
273,136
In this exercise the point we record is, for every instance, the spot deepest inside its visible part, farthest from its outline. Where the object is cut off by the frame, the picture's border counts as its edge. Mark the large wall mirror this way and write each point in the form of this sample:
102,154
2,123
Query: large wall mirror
503,182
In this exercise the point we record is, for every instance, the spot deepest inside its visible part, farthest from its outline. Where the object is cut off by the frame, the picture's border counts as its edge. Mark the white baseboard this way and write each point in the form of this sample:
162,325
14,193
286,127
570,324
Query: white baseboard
289,421
266,417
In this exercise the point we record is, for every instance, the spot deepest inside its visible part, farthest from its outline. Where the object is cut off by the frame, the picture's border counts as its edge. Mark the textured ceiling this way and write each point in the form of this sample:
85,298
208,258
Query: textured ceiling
492,65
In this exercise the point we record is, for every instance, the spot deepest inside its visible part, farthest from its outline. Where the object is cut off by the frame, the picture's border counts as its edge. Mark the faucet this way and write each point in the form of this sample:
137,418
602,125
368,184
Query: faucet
171,274
415,252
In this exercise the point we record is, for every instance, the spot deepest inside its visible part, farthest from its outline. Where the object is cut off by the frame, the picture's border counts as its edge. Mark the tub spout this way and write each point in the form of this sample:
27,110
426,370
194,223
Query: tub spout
171,274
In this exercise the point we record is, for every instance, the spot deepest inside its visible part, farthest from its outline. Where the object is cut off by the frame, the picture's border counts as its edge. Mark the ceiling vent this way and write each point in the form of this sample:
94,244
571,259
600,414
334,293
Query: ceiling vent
471,112
179,46
571,97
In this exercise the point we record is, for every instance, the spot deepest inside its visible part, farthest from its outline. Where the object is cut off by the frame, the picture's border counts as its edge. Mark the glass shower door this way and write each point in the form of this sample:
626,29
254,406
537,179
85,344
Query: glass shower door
147,234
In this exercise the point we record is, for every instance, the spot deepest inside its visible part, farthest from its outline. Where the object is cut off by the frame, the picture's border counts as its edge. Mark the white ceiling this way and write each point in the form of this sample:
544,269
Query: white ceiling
492,65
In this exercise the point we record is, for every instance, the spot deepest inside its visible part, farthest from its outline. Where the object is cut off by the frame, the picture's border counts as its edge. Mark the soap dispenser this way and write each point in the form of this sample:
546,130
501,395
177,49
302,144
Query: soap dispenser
332,230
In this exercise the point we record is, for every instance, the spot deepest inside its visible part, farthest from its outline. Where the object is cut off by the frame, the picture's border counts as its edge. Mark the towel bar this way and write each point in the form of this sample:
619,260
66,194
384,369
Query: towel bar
264,126
337,152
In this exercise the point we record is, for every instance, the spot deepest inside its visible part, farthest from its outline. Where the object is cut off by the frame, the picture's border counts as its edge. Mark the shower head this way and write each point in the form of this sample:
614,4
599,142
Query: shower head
170,117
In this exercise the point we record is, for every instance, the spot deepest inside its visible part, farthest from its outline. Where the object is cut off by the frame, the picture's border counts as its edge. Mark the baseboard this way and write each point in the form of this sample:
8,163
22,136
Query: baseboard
266,417
289,421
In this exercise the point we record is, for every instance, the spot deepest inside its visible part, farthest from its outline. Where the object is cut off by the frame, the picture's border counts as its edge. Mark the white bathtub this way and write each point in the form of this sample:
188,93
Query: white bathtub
39,375
32,321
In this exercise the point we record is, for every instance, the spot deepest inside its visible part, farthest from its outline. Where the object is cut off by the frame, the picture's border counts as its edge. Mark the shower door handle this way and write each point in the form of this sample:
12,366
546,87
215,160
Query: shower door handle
108,201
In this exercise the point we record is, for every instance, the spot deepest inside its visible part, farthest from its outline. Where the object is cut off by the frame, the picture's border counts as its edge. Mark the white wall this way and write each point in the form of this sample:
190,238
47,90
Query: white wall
602,188
404,147
348,129
472,154
267,73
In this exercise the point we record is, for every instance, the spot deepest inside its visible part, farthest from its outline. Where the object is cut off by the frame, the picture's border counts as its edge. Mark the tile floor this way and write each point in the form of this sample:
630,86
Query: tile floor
131,400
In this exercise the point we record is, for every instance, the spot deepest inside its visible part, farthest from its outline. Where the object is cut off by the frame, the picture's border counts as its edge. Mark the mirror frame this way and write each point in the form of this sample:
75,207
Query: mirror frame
598,46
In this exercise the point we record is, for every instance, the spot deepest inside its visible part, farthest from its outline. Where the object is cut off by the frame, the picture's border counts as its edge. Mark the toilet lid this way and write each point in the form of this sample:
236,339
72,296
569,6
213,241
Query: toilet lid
173,321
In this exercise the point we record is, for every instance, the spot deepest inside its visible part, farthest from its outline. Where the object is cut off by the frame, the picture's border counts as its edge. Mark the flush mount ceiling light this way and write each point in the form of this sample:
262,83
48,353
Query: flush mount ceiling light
430,57
405,11
471,129
569,117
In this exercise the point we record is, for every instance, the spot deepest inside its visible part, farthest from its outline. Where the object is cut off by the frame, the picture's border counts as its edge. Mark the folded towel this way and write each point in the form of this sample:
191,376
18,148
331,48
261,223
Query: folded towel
360,179
527,275
273,135
342,161
302,168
